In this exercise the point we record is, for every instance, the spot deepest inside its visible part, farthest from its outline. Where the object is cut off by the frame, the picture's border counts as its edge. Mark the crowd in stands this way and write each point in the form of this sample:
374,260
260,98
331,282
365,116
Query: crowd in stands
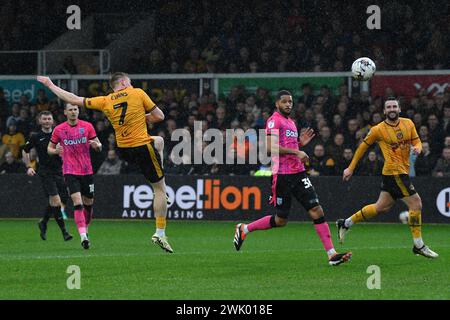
293,36
249,36
339,121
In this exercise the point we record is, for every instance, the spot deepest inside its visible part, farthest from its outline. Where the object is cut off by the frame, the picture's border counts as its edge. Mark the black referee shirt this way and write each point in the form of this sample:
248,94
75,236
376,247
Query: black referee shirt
47,163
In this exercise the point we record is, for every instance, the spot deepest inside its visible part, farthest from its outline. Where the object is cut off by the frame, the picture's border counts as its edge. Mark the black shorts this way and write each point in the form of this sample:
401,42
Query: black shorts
83,184
53,184
147,158
288,185
398,185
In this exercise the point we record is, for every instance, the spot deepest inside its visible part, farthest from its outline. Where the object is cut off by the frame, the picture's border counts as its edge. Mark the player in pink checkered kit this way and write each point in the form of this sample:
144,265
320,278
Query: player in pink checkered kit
289,179
72,140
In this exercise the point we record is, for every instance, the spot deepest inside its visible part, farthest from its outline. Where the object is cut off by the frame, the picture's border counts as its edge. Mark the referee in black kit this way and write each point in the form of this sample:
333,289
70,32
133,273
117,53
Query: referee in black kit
50,172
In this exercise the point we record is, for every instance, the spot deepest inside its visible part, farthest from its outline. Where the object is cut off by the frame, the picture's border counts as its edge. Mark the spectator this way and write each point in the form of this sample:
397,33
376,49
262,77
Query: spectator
156,63
42,102
3,151
350,135
324,138
24,123
213,51
320,164
24,102
11,165
307,97
371,165
424,134
337,124
195,64
344,161
15,115
447,141
137,62
253,66
205,106
69,66
4,107
425,161
442,168
14,141
446,119
112,164
436,134
265,62
336,149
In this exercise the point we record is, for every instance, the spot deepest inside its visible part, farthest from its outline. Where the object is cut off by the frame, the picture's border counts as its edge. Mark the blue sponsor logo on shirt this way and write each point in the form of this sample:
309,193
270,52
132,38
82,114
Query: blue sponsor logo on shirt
69,142
290,133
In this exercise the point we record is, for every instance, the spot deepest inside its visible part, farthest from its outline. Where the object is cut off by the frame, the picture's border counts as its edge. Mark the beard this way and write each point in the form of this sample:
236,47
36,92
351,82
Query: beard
285,113
393,116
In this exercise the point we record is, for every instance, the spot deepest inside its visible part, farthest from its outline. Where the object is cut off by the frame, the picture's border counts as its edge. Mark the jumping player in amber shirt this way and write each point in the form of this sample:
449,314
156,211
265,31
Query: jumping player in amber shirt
128,109
289,180
395,136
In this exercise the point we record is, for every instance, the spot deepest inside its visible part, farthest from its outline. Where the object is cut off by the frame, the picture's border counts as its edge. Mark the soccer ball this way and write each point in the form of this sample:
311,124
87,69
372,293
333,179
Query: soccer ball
363,69
403,217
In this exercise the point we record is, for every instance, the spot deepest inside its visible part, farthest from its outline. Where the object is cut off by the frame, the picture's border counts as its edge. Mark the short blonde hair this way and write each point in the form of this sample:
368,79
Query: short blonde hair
115,77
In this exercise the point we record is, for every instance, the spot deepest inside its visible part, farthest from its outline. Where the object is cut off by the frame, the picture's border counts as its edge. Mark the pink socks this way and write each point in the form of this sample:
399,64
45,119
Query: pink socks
261,224
80,220
323,231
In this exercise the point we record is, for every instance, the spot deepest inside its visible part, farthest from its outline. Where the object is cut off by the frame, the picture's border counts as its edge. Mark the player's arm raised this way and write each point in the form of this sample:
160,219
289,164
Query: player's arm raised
306,135
61,93
362,148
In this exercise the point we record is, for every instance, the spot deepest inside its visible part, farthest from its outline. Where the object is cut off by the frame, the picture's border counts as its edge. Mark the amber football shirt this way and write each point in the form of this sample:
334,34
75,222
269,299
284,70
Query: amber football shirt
395,143
126,111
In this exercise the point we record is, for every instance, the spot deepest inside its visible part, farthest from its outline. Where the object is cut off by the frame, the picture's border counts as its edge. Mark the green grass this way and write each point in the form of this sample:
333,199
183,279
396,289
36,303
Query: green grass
287,263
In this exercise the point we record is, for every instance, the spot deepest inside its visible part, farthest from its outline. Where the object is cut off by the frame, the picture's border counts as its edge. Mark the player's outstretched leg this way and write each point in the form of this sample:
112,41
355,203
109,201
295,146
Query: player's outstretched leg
343,225
425,251
242,229
323,231
339,258
239,236
160,207
342,229
414,203
415,224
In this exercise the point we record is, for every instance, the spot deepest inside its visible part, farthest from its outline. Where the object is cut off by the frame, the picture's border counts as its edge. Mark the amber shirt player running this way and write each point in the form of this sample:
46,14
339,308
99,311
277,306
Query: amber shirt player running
128,109
395,137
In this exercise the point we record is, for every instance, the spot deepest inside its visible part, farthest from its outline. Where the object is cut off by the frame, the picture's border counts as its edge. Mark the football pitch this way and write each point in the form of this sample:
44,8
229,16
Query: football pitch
279,264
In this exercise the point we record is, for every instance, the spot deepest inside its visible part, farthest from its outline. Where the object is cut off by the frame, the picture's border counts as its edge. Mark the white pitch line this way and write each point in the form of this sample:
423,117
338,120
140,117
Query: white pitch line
231,251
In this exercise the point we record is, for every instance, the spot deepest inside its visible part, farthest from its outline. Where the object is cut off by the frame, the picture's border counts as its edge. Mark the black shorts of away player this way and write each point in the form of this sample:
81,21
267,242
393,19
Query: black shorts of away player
398,185
147,158
288,185
83,184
